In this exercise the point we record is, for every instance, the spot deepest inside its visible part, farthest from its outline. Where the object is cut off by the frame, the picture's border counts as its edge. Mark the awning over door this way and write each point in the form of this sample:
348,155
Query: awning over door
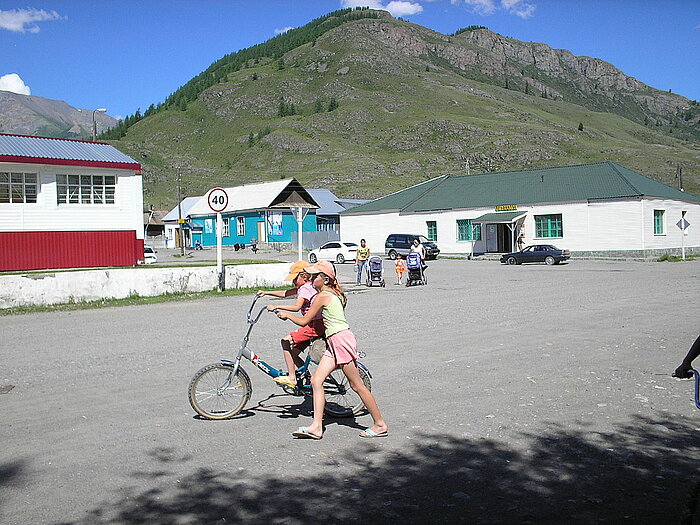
501,217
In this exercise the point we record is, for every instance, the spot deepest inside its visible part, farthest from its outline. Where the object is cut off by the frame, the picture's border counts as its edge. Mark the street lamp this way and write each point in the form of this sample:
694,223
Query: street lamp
94,123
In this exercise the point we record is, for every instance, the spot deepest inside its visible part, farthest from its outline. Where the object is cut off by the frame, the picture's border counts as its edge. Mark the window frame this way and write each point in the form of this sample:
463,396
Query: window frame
72,188
18,188
225,227
659,222
432,232
240,226
554,228
473,232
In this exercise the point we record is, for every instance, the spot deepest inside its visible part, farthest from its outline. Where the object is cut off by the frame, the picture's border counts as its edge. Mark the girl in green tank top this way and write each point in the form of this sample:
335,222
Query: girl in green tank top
341,352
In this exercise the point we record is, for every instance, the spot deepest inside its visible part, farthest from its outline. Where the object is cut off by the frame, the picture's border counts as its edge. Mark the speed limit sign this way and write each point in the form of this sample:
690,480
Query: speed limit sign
218,199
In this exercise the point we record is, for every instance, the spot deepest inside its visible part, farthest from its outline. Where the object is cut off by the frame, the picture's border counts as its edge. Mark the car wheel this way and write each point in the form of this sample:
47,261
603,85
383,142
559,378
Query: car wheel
392,255
511,260
312,258
340,259
549,260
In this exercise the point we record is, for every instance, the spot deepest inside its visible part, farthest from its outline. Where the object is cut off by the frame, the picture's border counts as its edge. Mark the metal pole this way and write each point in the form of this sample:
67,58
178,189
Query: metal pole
179,215
219,227
300,220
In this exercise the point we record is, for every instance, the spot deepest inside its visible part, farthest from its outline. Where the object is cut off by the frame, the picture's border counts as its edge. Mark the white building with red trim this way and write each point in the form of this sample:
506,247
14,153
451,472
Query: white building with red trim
68,204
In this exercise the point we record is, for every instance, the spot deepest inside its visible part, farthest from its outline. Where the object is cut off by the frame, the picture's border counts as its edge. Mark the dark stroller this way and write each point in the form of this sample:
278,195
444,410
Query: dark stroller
416,273
375,271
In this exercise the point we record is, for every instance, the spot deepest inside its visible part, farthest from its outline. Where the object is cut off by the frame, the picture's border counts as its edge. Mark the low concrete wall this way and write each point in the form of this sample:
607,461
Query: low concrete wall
92,285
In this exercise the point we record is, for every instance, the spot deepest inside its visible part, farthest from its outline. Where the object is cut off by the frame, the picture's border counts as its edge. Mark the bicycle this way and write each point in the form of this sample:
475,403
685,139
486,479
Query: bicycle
221,390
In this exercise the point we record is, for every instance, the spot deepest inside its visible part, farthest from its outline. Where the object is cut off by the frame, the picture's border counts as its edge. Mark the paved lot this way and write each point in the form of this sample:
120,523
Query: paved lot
526,394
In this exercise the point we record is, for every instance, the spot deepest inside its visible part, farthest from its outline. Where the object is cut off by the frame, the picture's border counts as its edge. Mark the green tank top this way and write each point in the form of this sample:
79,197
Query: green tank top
334,316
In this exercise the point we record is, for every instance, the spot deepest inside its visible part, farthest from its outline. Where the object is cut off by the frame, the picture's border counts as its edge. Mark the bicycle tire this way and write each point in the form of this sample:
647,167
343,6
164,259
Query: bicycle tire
215,394
341,399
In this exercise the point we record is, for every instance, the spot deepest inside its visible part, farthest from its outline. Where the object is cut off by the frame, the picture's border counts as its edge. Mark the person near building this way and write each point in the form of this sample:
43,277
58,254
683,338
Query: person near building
341,352
418,248
521,240
683,370
297,341
361,259
400,268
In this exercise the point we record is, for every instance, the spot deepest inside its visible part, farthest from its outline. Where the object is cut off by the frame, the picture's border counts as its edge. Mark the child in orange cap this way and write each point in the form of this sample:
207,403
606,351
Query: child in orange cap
297,341
341,351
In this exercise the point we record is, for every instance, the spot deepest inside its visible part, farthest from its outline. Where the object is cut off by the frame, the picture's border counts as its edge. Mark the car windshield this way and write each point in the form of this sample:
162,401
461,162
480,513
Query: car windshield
350,244
422,239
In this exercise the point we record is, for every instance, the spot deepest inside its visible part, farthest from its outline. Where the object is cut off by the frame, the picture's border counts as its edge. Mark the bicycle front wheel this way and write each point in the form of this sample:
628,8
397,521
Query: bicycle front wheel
341,399
216,393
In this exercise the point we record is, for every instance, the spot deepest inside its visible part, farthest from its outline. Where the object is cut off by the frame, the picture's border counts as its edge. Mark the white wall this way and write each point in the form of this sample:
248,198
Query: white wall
92,285
604,225
46,215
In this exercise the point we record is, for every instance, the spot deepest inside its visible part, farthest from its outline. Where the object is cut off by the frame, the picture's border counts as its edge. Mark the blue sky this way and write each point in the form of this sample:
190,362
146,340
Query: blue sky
127,54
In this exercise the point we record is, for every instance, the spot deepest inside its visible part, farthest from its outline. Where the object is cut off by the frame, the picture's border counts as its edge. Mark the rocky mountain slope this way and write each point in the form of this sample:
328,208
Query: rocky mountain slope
374,105
30,115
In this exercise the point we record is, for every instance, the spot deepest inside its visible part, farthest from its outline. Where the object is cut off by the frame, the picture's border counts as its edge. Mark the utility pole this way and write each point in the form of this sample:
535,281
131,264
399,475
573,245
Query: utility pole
180,222
679,176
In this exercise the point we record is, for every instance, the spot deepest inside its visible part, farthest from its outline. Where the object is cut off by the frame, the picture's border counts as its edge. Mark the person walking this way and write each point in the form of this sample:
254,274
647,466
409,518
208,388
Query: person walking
341,352
361,259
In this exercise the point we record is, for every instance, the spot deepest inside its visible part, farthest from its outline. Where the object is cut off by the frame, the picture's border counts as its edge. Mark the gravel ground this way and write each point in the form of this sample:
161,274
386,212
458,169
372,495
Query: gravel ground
526,394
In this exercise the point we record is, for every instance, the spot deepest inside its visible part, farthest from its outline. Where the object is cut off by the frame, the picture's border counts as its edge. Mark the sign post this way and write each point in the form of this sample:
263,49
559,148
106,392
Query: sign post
683,225
300,212
218,201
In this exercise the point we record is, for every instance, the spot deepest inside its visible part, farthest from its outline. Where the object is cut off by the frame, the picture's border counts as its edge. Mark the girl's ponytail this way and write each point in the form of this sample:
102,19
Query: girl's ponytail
334,285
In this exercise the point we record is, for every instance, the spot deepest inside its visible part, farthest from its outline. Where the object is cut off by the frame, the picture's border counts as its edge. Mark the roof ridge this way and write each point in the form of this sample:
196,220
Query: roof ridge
437,185
621,175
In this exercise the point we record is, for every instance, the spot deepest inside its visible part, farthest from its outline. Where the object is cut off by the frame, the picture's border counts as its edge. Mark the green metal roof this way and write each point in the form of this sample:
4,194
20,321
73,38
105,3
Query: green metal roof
500,216
602,180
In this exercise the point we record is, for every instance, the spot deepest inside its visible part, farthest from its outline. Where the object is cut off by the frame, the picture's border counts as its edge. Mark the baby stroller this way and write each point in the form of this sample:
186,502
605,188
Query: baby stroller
375,271
414,265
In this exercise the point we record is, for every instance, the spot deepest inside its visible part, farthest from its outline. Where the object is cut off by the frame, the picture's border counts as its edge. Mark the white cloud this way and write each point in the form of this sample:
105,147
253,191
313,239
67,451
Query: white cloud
522,8
283,30
24,20
15,84
395,7
400,8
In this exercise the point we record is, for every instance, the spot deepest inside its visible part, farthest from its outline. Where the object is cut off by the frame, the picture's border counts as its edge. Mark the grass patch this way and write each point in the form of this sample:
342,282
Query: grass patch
666,257
132,300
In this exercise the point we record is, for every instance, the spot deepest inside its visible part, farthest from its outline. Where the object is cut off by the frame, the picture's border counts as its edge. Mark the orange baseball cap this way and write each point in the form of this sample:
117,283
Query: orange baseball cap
296,269
322,267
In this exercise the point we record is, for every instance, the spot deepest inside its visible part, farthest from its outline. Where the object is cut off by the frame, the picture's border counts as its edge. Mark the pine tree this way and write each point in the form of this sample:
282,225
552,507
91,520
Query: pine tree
580,126
332,105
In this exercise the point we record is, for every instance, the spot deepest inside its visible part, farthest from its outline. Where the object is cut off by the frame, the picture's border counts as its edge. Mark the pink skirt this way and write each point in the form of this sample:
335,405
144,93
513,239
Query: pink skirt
342,347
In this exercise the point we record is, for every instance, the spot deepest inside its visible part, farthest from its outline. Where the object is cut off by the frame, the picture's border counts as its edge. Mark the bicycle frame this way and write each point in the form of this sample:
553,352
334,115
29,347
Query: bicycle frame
246,352
697,386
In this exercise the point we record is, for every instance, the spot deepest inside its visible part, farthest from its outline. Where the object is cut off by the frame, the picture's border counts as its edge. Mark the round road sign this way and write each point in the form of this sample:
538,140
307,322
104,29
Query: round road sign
218,199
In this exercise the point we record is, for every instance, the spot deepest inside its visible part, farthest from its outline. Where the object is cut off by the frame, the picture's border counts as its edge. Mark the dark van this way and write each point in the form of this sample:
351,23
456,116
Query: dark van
402,242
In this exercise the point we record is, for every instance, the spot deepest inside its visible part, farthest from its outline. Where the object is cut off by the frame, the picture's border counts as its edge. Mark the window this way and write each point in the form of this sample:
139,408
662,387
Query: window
432,230
548,226
240,226
17,187
225,232
659,223
85,189
468,230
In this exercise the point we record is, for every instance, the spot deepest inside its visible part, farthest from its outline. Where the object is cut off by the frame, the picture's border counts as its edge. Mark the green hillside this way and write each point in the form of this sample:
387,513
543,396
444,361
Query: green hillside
373,105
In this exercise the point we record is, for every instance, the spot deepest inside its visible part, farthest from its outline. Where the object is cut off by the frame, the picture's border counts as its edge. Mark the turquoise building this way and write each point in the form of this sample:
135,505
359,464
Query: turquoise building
263,212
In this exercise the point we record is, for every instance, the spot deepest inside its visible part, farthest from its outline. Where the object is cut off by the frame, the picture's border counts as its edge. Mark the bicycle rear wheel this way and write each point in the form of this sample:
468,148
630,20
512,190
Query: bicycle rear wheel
341,399
216,393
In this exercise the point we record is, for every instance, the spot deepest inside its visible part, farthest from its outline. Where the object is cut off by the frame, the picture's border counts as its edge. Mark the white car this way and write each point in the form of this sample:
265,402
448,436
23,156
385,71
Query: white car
149,255
335,251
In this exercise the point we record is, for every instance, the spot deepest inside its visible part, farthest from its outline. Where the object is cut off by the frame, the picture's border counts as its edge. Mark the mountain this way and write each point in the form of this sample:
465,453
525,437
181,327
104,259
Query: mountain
37,116
364,104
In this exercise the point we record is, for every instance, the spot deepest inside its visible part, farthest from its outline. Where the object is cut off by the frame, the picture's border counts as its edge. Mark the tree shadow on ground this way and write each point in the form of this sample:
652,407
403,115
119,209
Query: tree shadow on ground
10,474
643,472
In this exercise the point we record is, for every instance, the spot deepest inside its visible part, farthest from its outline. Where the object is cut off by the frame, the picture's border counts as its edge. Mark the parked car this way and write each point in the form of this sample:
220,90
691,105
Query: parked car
545,253
149,255
400,243
335,251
